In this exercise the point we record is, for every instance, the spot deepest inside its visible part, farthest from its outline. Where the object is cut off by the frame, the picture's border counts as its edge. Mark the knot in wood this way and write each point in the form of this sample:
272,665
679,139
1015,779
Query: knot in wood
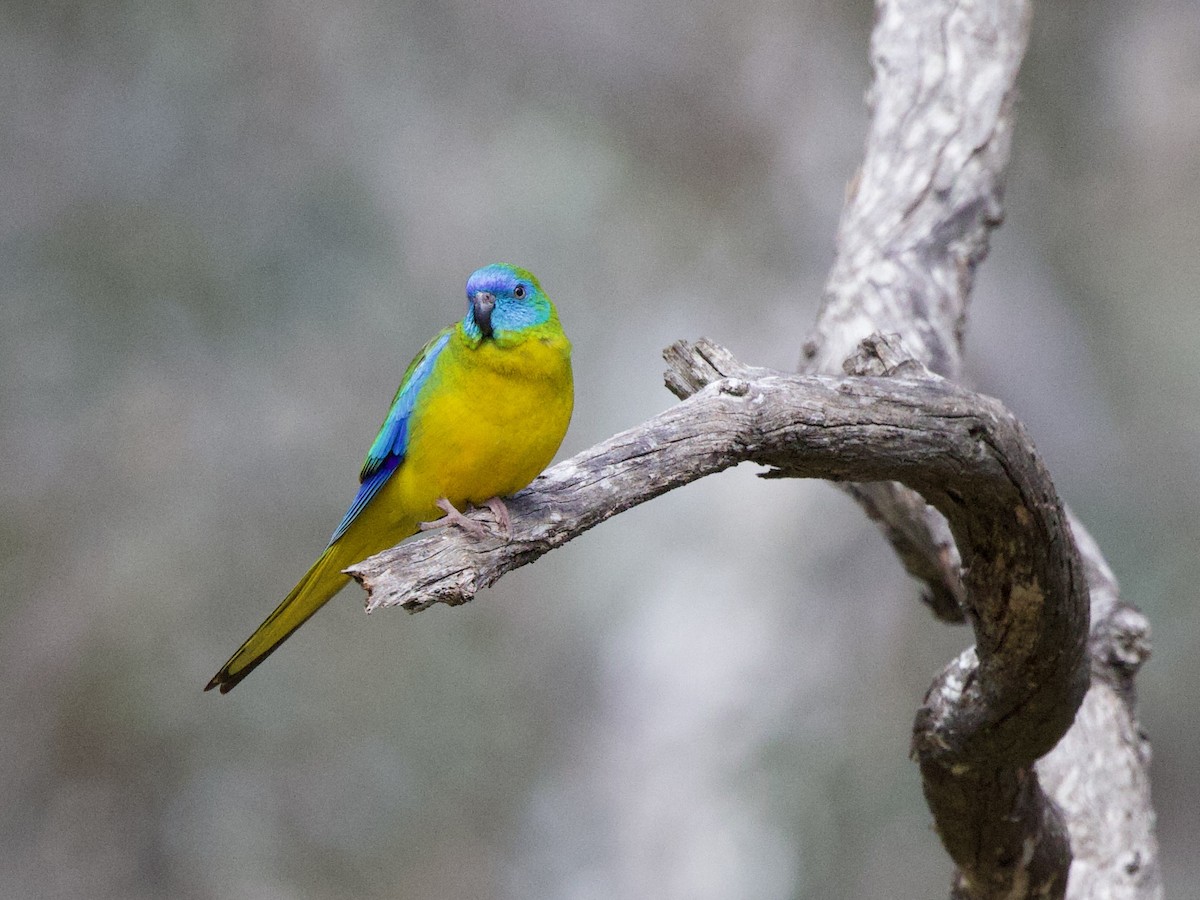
1130,644
734,387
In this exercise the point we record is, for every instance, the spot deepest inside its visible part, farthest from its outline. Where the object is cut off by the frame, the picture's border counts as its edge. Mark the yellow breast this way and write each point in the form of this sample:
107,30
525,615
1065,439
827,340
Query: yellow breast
488,421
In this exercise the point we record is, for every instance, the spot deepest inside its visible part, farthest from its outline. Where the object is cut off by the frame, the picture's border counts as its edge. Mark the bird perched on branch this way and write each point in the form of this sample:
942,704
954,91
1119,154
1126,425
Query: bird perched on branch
480,412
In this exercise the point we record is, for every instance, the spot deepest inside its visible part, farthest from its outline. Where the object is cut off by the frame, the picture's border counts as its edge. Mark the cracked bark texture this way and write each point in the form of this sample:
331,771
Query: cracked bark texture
949,475
915,226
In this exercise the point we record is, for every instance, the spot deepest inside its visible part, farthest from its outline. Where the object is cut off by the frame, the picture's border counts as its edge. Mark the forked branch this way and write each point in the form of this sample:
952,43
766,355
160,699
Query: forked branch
949,475
996,709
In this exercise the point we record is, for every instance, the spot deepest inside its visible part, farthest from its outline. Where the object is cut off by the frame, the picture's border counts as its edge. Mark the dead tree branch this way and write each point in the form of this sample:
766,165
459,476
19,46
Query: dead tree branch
949,475
915,226
992,712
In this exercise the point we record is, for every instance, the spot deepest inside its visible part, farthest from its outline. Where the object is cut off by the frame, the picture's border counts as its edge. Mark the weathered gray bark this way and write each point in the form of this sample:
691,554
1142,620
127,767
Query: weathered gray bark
949,475
914,228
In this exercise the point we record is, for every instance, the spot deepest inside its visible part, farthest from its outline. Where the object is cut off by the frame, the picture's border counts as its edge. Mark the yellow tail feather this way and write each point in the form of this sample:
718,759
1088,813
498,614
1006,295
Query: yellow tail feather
318,585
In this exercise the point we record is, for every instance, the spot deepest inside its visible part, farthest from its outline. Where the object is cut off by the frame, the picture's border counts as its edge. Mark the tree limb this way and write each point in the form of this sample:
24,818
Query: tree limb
988,717
916,224
944,471
917,221
850,428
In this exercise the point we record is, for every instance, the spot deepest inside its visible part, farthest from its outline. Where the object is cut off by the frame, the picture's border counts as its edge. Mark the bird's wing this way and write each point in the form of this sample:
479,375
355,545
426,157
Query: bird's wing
387,452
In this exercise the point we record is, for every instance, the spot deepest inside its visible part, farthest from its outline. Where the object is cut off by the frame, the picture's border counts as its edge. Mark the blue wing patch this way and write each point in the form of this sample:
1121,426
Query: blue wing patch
369,489
387,452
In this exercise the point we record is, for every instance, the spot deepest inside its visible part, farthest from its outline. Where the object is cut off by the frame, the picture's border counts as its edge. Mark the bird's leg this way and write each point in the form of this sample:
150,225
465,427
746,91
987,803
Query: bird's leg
500,511
454,517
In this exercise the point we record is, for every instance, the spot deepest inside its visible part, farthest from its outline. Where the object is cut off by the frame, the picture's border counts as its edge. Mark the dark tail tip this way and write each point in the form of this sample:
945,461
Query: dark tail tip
224,681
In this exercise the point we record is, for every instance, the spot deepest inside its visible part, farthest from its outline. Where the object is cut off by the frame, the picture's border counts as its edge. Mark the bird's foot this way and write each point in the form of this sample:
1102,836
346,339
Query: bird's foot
500,511
454,517
472,527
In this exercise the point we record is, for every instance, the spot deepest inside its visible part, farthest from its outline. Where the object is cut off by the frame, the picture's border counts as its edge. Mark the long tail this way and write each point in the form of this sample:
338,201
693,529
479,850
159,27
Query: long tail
319,583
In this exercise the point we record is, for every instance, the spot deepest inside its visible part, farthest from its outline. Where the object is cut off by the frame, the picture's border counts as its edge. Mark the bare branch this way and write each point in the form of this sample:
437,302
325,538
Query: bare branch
1099,772
916,224
917,532
915,227
923,204
944,471
987,718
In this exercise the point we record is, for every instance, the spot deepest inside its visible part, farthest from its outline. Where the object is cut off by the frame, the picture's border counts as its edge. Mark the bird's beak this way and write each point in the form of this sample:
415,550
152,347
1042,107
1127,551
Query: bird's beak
482,305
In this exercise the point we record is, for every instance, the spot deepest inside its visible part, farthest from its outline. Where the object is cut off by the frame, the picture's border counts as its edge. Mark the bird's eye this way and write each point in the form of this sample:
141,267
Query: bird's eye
519,292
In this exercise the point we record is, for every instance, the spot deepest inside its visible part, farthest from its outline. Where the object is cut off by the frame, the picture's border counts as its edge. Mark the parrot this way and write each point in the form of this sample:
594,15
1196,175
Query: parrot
480,412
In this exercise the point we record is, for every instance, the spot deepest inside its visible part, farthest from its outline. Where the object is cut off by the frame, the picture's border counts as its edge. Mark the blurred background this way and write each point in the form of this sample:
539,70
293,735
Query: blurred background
225,229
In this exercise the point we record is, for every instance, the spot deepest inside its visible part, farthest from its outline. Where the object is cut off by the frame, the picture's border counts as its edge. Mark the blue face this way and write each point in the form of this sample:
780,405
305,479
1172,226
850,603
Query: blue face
501,300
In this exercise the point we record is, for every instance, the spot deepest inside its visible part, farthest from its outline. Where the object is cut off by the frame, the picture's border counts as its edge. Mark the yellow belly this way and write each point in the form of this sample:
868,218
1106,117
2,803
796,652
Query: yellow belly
489,421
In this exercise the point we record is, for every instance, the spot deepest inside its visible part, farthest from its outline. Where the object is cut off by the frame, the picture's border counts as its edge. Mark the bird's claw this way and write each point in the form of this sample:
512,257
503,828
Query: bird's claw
500,511
471,526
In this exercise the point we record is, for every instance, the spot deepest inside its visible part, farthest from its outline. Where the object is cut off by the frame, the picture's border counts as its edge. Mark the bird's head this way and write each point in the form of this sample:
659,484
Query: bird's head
502,301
